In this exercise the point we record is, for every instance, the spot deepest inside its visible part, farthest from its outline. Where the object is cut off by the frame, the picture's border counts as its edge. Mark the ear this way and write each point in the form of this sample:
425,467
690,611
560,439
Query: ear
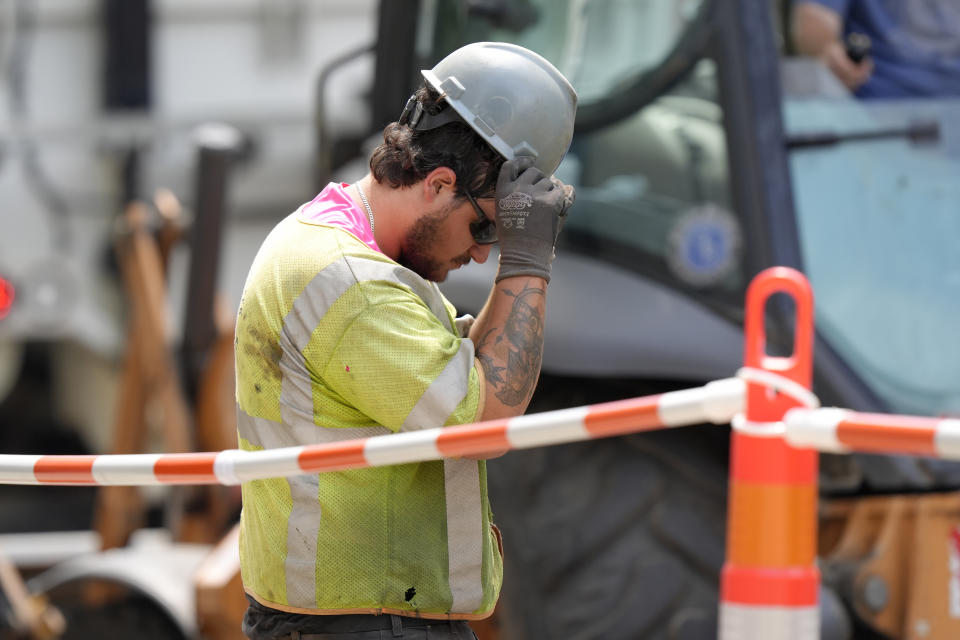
438,180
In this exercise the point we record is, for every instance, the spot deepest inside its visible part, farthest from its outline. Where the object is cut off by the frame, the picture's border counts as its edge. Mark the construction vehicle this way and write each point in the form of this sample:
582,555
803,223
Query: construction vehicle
701,156
158,583
112,326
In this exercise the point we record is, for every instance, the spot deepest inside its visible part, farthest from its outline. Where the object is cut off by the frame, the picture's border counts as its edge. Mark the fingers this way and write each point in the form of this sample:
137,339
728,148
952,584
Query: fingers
533,176
568,191
521,170
519,173
850,73
866,69
524,162
512,169
569,197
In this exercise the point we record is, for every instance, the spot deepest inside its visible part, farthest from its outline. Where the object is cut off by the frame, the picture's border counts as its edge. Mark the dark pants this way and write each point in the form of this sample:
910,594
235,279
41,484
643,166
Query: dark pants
264,623
386,627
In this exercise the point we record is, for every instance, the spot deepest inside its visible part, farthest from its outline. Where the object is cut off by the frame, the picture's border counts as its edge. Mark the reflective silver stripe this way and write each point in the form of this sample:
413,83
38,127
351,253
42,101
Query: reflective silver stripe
464,533
336,279
296,392
296,388
755,622
435,302
303,529
296,412
444,393
268,434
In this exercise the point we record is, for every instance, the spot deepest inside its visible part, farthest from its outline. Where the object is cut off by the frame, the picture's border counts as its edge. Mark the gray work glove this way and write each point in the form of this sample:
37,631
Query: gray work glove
531,209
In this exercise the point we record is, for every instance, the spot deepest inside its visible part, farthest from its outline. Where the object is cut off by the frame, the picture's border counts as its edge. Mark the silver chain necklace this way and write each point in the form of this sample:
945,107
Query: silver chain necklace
367,205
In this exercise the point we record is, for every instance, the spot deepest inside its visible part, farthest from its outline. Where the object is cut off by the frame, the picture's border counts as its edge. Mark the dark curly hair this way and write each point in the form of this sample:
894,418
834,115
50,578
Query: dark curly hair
406,156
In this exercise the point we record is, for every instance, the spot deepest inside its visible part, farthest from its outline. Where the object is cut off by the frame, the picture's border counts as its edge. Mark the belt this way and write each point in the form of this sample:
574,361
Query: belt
342,624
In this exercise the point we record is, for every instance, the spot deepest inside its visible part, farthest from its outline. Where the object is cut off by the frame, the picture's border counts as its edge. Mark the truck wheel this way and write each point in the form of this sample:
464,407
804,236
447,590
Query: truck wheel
127,615
619,537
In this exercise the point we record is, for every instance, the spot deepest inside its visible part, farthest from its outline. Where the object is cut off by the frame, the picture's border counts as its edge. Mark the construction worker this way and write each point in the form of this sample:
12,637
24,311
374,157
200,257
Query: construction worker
343,333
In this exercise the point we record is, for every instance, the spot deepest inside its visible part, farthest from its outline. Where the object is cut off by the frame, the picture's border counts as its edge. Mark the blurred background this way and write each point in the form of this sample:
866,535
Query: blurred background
148,146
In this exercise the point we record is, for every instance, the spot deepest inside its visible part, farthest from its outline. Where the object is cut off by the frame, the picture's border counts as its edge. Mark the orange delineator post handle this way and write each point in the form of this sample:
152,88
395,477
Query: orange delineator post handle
770,581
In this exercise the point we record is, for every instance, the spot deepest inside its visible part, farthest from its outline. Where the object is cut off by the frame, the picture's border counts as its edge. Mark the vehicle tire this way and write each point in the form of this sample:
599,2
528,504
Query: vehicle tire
612,538
128,614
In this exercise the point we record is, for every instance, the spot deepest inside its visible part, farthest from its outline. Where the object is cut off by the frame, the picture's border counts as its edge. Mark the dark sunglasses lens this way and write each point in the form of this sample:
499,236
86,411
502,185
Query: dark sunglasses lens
484,232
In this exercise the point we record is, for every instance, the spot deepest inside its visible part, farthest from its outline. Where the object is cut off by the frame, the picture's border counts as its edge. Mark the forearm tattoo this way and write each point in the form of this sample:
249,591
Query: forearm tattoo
523,331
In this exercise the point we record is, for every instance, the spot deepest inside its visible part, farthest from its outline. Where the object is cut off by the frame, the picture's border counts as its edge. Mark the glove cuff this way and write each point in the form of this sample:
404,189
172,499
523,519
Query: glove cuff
513,268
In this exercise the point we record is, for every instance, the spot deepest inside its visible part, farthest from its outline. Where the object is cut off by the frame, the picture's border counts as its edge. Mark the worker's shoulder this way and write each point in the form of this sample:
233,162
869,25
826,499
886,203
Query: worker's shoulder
331,261
294,233
293,244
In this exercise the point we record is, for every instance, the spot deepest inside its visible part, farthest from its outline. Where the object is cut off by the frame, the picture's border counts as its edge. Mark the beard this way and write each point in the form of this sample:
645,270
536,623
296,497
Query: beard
420,243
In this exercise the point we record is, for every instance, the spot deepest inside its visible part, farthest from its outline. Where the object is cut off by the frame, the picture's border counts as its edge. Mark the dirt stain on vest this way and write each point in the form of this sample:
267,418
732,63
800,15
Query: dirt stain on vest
264,352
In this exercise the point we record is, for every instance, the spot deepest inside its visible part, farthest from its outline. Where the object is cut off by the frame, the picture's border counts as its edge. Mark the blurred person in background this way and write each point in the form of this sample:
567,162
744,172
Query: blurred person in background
909,48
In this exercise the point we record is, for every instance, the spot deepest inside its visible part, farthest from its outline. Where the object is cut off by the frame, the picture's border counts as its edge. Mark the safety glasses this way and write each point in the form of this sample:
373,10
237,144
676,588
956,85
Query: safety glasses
484,230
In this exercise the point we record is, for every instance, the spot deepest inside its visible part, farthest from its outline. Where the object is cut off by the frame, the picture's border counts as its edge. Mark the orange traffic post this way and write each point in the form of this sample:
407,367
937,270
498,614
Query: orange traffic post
770,581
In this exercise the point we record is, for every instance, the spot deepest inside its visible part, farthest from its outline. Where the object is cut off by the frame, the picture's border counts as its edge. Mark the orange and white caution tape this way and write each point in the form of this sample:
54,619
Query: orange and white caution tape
715,402
843,431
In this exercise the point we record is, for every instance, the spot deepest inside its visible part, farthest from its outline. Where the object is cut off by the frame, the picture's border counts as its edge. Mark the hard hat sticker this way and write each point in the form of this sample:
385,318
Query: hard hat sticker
704,245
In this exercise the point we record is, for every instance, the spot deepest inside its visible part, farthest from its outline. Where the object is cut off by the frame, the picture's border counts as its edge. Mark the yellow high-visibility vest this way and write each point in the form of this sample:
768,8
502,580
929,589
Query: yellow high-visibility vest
336,341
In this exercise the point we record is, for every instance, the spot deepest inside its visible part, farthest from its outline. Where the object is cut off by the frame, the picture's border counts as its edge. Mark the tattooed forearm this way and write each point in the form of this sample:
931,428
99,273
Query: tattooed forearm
490,368
524,333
